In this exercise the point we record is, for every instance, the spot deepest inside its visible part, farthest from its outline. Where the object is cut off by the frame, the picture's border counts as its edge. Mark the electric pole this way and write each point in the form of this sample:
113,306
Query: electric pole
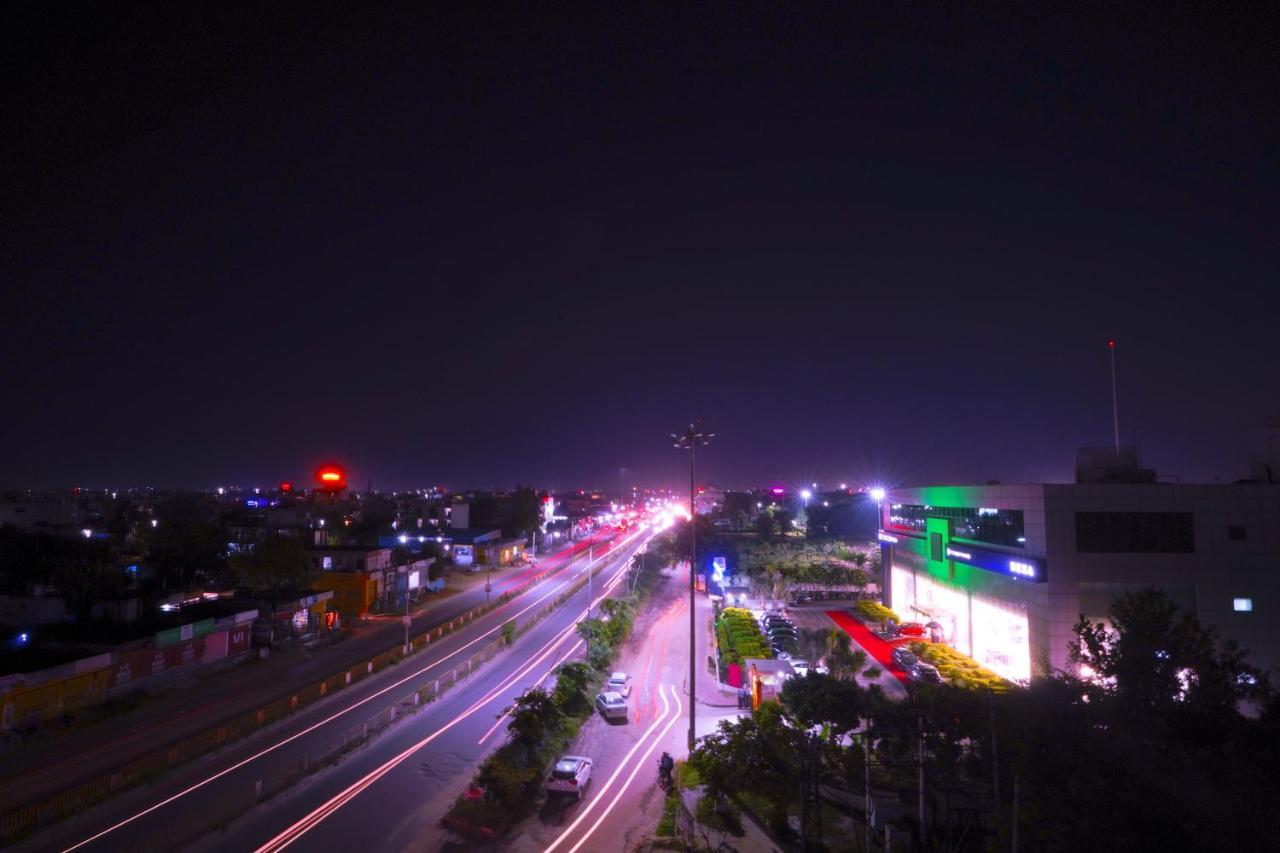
692,439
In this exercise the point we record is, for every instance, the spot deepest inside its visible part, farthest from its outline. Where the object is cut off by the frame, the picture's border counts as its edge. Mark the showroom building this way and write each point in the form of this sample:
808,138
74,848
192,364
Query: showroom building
1002,572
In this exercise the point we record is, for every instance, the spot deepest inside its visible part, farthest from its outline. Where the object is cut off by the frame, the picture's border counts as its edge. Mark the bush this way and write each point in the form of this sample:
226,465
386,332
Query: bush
509,632
667,823
739,636
959,668
874,611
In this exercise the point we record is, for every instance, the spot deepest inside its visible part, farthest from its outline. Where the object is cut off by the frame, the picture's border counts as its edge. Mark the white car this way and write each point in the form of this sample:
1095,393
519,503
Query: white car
570,775
612,706
620,683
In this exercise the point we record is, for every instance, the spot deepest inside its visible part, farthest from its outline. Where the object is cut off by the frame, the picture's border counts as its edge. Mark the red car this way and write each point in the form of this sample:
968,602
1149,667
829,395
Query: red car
911,629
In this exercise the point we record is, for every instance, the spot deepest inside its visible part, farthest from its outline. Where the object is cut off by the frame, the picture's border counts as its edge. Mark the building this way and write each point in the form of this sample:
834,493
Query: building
473,546
1003,572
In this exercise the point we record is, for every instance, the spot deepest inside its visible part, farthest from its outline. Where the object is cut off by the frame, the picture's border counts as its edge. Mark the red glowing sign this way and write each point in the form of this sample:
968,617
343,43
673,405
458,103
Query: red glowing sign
331,477
286,486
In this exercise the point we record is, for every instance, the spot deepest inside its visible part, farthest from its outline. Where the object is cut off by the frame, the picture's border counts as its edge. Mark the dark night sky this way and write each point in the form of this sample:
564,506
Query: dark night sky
479,247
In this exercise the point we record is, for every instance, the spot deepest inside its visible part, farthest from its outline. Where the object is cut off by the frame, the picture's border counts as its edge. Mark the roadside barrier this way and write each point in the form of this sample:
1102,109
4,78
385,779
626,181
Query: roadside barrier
21,821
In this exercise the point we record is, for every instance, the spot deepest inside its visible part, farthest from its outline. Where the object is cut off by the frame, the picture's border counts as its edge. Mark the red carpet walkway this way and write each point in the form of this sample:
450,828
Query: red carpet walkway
861,634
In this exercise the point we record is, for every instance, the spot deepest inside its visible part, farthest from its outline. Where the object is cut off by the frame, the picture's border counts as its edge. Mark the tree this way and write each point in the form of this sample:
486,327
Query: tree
526,512
757,755
845,662
1161,665
533,716
278,563
765,526
735,503
823,700
570,694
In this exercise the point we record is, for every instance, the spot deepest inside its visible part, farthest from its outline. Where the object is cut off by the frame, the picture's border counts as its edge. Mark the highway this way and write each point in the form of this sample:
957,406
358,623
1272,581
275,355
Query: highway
39,770
214,802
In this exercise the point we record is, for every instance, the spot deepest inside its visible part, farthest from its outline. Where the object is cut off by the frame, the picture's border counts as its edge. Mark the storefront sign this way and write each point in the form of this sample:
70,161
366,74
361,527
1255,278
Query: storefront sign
1019,567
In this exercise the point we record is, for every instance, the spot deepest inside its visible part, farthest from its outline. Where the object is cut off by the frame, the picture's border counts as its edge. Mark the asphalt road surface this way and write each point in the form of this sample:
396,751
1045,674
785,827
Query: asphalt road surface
36,771
374,797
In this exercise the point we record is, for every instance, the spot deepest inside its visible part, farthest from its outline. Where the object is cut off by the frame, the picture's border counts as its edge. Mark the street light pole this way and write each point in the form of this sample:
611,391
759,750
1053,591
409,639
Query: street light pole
692,438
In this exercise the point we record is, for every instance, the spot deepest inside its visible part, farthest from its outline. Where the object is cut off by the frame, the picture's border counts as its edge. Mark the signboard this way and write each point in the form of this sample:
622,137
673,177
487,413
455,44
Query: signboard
414,580
464,555
1019,567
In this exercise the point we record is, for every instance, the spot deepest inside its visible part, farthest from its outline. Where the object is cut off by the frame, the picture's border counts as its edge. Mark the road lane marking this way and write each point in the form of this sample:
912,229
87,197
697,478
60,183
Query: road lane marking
309,729
315,817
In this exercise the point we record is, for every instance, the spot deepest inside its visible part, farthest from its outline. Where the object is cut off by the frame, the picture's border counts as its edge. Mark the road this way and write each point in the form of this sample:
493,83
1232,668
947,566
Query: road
623,802
178,811
39,770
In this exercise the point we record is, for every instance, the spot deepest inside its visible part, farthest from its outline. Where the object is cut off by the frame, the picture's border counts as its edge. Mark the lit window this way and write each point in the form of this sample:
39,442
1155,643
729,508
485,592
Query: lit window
328,562
1242,605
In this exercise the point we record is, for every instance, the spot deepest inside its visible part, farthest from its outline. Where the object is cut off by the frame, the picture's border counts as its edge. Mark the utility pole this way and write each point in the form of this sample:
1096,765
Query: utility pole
1014,830
866,781
693,438
920,752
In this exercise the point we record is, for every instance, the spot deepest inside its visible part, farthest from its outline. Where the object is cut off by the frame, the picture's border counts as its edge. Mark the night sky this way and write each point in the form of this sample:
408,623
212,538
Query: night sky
479,247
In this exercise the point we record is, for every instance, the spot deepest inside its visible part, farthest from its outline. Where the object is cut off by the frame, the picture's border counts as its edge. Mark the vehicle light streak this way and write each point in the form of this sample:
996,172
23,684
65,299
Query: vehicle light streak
285,741
658,636
507,713
596,800
644,760
314,818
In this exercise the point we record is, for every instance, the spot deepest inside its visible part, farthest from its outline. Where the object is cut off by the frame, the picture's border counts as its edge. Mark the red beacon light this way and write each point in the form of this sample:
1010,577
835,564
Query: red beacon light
331,477
286,487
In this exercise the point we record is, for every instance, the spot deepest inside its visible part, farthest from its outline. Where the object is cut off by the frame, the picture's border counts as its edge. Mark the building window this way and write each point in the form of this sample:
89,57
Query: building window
1242,605
327,562
935,547
981,524
1134,533
1236,533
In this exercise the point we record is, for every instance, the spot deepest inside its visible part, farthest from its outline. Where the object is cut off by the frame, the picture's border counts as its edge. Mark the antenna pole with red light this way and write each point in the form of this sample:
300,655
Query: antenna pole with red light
1115,405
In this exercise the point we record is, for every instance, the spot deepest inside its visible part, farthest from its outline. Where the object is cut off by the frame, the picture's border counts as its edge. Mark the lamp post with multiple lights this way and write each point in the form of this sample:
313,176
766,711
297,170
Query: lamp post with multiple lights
692,439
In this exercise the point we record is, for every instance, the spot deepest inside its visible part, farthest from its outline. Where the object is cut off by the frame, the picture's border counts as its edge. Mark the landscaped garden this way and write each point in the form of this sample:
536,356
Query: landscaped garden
739,638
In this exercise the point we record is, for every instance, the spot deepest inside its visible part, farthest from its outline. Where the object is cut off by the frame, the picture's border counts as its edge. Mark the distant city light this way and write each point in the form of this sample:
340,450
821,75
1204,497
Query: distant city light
154,523
86,533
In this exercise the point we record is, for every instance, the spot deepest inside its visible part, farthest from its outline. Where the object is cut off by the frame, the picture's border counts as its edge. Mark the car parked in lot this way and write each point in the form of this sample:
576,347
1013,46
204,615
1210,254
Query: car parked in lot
611,705
570,775
903,658
925,673
911,629
620,682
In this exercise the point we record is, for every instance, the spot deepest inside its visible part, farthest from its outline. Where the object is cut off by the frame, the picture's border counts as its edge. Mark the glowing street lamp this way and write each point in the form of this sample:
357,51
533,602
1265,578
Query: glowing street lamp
805,495
878,494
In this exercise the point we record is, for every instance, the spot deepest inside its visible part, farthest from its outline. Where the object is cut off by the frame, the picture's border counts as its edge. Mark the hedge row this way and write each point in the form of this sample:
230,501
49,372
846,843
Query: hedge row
874,611
739,636
958,668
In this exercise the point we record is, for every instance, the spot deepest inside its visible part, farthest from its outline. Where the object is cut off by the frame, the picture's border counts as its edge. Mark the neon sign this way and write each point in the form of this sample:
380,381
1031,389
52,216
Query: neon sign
1020,568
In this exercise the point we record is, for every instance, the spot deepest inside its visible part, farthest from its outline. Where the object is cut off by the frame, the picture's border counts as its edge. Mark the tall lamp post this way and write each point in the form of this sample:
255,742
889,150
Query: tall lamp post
692,439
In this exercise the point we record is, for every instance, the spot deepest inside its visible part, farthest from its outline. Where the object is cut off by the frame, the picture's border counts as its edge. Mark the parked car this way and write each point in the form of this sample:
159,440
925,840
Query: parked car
570,775
620,682
911,629
903,658
800,666
611,705
925,673
783,631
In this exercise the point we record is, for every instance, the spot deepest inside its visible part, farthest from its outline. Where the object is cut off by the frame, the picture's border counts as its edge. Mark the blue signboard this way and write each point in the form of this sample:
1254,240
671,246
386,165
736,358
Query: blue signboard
1018,567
